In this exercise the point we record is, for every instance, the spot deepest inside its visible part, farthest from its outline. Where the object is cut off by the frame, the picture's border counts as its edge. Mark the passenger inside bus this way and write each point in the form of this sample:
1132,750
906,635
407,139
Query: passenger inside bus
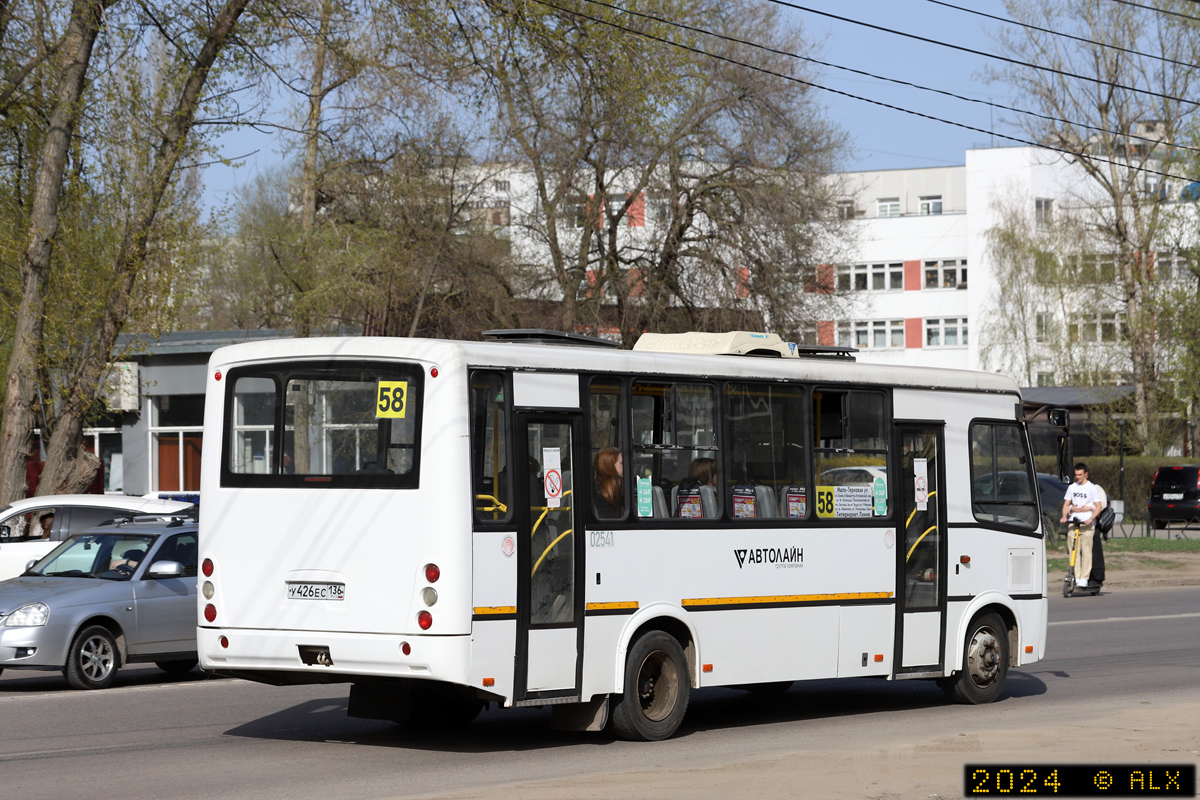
609,470
696,496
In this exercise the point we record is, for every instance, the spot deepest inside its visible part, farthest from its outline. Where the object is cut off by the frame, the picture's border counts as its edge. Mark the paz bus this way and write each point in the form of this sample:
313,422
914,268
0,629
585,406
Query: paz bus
541,519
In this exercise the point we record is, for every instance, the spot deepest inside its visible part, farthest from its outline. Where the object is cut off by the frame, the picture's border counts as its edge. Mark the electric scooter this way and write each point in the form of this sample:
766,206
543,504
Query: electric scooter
1069,586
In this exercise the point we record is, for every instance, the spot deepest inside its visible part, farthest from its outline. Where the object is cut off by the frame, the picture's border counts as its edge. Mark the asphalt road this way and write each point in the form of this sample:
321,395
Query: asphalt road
156,737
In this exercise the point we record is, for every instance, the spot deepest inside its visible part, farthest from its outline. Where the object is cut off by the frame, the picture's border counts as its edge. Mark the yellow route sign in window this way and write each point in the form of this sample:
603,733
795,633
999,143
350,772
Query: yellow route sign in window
825,508
391,399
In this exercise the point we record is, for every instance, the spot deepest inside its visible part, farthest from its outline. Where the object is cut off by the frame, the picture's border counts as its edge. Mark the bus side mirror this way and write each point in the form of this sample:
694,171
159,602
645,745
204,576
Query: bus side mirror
1064,459
1059,417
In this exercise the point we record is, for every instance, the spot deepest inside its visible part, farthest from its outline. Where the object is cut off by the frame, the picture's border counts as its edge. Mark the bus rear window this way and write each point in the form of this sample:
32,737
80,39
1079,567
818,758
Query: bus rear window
323,425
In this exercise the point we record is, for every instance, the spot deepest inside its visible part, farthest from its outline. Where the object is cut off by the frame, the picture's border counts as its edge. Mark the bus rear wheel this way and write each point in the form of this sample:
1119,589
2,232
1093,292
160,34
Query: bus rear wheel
985,663
657,687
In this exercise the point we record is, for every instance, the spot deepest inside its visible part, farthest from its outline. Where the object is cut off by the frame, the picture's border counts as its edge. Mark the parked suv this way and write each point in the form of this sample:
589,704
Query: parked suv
1174,496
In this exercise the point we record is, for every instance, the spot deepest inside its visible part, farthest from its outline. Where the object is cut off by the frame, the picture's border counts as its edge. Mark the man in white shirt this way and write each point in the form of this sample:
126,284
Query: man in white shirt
1082,503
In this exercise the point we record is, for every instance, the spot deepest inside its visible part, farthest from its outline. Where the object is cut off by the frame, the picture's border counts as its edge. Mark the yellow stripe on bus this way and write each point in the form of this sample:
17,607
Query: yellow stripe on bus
785,598
628,604
495,610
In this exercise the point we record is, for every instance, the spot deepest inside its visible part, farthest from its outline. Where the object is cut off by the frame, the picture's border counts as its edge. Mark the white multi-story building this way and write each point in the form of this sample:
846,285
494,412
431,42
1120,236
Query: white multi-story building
923,285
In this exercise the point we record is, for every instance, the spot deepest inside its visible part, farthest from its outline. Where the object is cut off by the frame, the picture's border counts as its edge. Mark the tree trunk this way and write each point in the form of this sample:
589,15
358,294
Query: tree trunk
63,473
16,429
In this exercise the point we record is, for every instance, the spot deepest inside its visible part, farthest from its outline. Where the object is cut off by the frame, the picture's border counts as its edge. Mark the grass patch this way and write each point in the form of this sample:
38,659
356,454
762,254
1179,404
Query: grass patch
1057,564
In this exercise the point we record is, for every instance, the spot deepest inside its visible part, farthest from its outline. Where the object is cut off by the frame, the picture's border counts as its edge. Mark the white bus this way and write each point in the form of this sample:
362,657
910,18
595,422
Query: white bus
444,524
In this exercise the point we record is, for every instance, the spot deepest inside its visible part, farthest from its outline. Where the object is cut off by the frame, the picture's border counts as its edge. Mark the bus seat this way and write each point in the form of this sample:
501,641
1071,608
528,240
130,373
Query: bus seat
764,501
660,503
708,501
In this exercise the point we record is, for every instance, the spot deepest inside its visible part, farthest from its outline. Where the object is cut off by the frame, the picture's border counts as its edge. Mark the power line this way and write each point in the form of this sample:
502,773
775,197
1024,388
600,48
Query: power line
943,92
879,103
983,53
1063,34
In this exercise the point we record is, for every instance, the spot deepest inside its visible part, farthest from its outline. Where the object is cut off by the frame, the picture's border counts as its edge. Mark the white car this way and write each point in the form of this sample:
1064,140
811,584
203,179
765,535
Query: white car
31,528
841,476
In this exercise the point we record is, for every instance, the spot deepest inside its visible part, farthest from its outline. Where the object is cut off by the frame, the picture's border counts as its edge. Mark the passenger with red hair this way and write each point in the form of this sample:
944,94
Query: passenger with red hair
609,470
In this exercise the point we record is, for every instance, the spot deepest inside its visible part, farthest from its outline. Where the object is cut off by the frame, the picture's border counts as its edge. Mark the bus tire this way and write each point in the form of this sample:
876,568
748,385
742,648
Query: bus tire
985,663
93,659
657,686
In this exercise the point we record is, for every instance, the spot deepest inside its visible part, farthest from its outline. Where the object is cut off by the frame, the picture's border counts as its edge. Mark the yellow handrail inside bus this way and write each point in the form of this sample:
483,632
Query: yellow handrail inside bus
496,504
546,552
918,541
545,511
914,513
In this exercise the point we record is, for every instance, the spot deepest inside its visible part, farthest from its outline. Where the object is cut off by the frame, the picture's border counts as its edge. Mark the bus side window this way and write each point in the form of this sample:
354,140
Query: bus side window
607,426
489,448
768,462
850,443
675,449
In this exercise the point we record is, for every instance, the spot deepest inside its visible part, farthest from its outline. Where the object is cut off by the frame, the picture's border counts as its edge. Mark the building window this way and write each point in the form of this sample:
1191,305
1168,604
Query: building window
1102,327
845,209
500,186
1045,379
107,445
946,274
1095,269
931,205
1043,212
852,278
1171,267
872,277
888,207
946,332
1042,321
177,424
886,277
872,334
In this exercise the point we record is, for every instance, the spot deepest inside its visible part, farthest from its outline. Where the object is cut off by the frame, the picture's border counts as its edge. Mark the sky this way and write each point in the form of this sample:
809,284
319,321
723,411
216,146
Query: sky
877,137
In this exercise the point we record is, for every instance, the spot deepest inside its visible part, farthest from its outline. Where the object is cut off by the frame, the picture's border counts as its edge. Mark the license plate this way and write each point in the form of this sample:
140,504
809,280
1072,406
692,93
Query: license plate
1173,496
316,591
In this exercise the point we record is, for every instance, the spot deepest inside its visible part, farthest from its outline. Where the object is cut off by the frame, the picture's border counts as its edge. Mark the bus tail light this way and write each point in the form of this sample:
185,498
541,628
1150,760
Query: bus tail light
424,619
224,641
210,612
207,568
429,595
432,573
405,648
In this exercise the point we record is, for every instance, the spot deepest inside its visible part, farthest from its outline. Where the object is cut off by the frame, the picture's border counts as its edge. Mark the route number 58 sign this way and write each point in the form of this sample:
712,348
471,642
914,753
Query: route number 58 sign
391,399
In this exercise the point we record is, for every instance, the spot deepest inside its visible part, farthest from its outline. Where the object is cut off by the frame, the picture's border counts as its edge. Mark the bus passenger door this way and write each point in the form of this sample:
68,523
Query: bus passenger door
550,560
921,556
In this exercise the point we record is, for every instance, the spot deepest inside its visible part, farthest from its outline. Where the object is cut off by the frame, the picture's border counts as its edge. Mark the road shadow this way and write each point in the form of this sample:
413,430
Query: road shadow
514,730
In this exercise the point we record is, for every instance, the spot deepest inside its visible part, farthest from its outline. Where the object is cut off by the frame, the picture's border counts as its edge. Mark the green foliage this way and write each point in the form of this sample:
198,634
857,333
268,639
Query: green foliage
1105,471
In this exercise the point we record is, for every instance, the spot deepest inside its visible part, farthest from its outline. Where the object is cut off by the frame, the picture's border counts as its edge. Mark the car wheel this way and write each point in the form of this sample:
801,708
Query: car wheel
657,686
93,659
180,667
985,663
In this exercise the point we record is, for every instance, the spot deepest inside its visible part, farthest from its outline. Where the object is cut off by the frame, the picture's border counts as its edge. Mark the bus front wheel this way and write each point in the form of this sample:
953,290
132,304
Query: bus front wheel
657,686
985,663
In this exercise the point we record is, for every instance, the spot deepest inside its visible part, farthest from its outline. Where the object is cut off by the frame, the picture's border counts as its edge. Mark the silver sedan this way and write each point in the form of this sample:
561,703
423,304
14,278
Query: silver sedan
102,599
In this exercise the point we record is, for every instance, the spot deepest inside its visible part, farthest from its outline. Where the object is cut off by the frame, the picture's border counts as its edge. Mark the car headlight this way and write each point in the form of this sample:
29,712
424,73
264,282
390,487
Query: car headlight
28,616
